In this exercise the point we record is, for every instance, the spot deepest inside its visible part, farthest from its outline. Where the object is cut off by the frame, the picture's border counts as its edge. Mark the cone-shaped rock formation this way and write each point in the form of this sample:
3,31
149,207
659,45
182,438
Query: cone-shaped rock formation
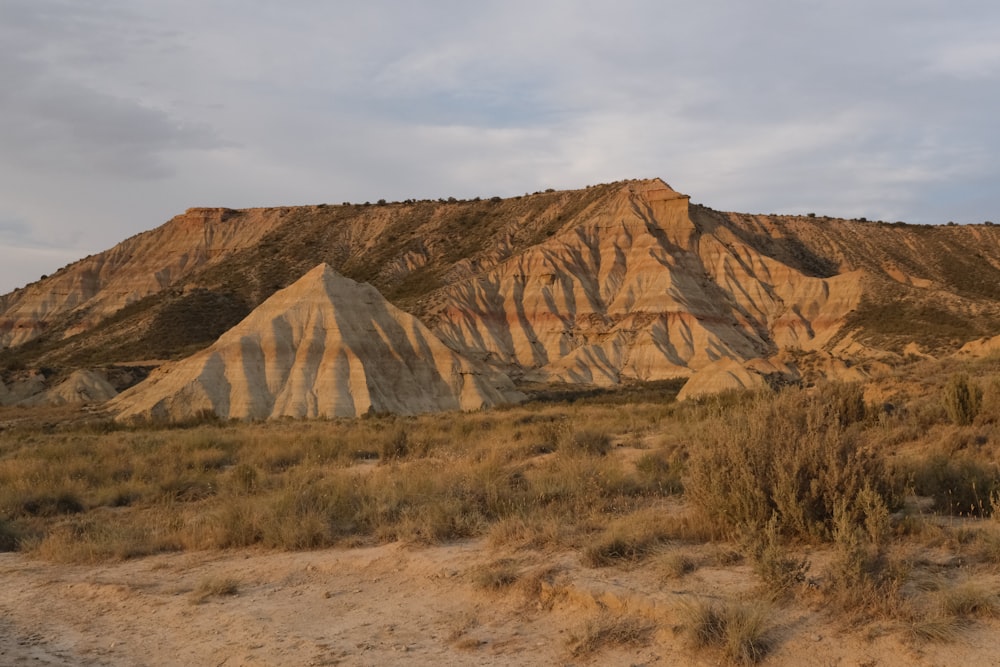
80,388
325,346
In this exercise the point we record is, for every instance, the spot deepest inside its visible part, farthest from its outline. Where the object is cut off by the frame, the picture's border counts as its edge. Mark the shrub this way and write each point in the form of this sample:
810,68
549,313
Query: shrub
245,478
8,536
395,446
50,505
779,572
659,472
739,630
860,579
496,576
968,600
936,629
675,565
959,485
595,443
962,400
847,402
617,548
790,459
213,587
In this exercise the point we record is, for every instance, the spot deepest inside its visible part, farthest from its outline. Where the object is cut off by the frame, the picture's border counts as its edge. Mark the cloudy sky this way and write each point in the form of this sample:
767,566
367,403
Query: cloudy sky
117,114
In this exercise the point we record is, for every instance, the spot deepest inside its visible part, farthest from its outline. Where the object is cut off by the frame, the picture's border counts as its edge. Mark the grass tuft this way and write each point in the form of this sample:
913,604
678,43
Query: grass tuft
496,576
607,629
739,630
214,587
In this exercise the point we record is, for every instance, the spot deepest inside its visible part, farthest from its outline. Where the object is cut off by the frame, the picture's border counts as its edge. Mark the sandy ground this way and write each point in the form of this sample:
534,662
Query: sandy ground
395,604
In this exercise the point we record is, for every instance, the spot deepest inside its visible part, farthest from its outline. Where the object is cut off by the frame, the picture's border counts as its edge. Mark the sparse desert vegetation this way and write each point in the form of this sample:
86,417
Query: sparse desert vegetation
868,510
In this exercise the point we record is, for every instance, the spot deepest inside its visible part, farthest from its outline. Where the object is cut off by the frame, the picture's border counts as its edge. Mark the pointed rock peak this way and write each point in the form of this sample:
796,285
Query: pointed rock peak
81,387
321,279
325,346
318,275
655,189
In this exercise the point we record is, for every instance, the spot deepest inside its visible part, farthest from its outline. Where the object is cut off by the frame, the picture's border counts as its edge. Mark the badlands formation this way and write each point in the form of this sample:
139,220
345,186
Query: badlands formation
324,347
637,294
610,285
100,285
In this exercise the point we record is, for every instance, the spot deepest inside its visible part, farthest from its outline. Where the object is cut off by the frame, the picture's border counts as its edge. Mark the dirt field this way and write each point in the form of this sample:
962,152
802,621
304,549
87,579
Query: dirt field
395,604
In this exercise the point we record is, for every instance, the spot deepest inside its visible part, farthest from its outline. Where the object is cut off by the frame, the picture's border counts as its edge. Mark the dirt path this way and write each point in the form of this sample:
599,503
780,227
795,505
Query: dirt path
385,605
361,607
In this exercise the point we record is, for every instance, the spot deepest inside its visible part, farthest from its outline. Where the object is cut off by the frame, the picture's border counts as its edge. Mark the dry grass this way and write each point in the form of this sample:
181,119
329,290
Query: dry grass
497,576
738,630
214,587
764,479
608,629
675,565
938,629
968,600
89,495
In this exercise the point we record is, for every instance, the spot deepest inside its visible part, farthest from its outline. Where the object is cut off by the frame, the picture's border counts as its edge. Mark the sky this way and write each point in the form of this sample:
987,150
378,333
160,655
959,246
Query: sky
116,115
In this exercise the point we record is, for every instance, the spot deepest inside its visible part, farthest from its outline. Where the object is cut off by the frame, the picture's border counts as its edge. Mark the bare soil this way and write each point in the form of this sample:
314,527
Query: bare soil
397,604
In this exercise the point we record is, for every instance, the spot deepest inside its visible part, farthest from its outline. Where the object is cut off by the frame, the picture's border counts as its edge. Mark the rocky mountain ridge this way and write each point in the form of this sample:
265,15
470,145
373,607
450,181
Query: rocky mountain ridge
82,294
617,283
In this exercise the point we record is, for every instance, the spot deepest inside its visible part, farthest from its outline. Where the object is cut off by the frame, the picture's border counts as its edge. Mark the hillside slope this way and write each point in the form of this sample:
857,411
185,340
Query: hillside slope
612,283
82,294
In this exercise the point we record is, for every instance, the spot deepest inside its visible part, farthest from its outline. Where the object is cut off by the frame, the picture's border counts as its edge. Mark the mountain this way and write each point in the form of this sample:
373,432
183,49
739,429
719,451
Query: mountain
324,347
81,295
615,283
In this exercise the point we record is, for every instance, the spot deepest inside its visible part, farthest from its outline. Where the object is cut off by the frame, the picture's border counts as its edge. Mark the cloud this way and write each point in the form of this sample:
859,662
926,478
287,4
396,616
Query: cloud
53,125
117,114
19,265
59,116
974,60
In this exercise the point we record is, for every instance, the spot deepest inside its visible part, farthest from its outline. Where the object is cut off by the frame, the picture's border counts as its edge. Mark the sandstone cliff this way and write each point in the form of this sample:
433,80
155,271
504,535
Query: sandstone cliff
638,291
102,284
324,347
613,283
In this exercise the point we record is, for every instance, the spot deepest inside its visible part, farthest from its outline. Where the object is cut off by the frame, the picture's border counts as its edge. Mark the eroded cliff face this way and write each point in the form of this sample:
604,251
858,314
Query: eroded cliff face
608,284
102,284
640,291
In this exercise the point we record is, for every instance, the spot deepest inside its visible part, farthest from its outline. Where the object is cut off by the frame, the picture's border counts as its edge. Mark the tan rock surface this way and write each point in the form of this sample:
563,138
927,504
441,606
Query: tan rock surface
617,282
22,387
640,291
324,347
719,376
81,387
981,347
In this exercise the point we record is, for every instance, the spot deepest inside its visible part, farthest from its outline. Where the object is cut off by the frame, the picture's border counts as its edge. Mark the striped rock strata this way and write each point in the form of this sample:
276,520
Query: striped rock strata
325,346
640,291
